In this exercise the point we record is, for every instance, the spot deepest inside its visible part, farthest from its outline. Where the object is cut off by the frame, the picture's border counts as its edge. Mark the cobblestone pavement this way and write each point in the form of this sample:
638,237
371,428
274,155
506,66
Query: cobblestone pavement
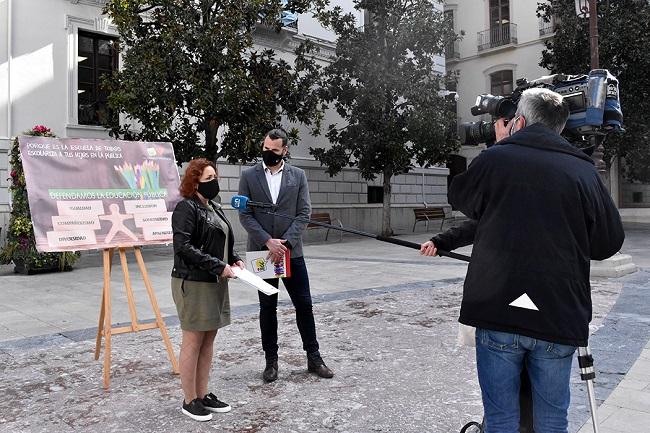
394,351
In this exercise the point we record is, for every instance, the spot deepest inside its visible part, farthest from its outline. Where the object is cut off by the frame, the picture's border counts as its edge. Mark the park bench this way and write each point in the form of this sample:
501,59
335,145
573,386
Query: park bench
324,217
429,214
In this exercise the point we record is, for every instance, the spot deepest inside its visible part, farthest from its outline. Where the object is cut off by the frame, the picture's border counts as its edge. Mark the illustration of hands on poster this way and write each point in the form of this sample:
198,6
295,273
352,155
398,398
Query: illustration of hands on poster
95,194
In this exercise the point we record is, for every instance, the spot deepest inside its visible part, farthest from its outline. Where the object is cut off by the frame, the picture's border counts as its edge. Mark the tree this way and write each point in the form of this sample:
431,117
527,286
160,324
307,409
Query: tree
384,85
623,47
192,76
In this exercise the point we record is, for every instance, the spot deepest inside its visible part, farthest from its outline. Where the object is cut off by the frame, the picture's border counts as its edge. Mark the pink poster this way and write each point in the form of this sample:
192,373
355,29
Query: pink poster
93,194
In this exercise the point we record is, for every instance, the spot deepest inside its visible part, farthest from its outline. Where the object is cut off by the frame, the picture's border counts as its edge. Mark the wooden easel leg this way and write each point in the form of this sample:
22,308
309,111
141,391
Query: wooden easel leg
108,253
156,310
129,291
102,311
100,330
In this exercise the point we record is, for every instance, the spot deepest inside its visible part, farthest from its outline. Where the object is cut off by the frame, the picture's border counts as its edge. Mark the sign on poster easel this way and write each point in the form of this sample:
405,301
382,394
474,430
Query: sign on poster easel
103,194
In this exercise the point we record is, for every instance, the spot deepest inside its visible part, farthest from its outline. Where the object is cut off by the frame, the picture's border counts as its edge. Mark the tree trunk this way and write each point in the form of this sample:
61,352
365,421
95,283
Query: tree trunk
386,229
211,128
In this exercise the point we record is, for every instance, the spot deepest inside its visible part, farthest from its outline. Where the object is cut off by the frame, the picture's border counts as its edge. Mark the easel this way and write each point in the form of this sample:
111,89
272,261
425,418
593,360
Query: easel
105,327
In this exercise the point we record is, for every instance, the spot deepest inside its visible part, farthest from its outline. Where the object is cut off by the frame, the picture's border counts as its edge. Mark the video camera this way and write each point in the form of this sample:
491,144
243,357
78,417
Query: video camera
594,107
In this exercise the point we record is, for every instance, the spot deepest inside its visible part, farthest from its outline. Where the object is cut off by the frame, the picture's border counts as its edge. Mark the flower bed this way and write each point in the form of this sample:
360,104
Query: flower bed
20,247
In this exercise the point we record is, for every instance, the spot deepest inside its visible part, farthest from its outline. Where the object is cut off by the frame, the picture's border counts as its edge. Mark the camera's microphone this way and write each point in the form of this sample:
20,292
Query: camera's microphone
241,202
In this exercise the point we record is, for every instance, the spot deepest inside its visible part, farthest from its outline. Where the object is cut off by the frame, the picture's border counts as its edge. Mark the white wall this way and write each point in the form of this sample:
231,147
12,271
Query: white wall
4,68
5,26
471,16
43,79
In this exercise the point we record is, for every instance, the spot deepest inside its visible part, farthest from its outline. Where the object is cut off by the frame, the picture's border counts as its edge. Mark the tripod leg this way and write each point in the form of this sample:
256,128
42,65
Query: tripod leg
588,373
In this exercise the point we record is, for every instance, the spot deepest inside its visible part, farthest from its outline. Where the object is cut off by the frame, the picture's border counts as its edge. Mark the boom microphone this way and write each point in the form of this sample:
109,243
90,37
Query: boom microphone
241,202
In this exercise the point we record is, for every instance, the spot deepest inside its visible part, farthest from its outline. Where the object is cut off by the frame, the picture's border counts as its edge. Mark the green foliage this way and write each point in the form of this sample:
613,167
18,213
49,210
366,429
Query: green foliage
21,247
623,48
189,68
384,86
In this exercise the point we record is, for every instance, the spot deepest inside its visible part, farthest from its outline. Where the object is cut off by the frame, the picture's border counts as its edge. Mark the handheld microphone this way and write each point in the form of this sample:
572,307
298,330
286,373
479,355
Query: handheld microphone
241,202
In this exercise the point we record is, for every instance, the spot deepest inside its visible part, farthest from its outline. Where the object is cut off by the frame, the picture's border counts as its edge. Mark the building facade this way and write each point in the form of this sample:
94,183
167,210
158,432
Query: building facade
502,41
52,53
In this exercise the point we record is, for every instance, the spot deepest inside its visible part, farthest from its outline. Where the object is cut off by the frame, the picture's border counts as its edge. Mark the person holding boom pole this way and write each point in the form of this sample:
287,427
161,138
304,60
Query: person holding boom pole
541,213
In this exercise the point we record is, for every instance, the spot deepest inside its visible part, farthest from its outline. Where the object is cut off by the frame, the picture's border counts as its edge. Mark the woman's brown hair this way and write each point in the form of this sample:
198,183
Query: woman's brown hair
193,173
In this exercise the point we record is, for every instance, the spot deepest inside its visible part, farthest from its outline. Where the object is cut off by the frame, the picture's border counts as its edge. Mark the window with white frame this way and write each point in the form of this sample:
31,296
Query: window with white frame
89,57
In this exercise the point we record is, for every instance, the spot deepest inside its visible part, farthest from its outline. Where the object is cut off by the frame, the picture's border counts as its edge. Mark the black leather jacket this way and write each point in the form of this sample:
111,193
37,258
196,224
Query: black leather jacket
199,242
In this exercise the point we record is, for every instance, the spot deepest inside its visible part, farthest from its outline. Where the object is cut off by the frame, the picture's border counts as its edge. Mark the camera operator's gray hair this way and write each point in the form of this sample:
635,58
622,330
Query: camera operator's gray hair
539,105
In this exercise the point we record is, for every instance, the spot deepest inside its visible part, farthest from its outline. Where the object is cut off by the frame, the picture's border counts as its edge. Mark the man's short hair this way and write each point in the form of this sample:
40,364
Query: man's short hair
539,105
276,133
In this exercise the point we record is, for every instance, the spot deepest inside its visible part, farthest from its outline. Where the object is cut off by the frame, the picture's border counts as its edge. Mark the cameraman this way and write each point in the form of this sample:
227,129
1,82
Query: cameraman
539,213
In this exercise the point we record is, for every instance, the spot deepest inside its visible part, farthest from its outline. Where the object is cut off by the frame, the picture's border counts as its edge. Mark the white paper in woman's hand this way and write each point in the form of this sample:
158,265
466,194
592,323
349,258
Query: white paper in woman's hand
253,280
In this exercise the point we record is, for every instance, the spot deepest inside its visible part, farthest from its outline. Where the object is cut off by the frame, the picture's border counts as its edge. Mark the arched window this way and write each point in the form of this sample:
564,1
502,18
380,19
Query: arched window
501,82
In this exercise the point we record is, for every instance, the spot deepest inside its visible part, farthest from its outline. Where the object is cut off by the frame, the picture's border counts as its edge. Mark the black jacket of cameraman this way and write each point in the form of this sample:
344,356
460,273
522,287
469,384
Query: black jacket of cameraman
541,213
198,243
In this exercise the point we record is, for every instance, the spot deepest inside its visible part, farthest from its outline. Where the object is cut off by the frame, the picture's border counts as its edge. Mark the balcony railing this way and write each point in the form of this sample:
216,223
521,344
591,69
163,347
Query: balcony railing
497,36
452,51
546,28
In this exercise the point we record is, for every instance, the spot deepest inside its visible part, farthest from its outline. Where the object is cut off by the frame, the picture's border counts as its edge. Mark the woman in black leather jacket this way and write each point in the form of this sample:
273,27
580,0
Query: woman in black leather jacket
203,256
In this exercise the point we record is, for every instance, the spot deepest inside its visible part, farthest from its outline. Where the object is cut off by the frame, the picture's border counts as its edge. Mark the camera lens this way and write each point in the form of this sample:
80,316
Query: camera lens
497,106
473,133
505,108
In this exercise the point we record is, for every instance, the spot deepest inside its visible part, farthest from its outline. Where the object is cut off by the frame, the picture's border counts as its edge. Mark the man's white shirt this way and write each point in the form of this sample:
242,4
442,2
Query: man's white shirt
274,181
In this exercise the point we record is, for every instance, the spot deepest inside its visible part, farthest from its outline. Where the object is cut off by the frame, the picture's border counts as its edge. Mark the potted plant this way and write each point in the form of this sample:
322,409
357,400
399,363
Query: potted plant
21,247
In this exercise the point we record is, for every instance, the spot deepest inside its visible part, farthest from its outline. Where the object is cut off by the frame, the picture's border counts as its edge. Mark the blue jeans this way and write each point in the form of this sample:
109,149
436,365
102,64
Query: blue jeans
500,357
298,289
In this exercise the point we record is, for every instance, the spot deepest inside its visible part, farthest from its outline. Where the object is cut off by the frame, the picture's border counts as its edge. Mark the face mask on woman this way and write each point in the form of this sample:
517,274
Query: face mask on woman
209,189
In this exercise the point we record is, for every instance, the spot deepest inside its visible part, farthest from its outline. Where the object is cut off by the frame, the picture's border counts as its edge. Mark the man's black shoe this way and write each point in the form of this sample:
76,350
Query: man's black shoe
270,372
213,404
196,410
316,365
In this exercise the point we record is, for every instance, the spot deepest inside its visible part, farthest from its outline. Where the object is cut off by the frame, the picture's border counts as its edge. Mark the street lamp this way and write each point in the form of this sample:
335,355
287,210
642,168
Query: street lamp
583,9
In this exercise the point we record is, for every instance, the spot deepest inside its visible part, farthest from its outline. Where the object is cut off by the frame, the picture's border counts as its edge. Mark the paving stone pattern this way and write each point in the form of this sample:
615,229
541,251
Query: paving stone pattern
398,369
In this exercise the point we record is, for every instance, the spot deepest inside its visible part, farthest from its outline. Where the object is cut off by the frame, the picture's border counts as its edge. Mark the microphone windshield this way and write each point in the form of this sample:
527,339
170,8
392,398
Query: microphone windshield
239,202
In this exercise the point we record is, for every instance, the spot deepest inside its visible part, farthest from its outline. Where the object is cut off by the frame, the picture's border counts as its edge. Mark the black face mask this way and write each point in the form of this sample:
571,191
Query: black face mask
209,189
270,158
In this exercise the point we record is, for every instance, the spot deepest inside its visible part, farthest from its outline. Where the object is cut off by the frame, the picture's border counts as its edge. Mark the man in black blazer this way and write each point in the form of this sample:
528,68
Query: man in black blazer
274,181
